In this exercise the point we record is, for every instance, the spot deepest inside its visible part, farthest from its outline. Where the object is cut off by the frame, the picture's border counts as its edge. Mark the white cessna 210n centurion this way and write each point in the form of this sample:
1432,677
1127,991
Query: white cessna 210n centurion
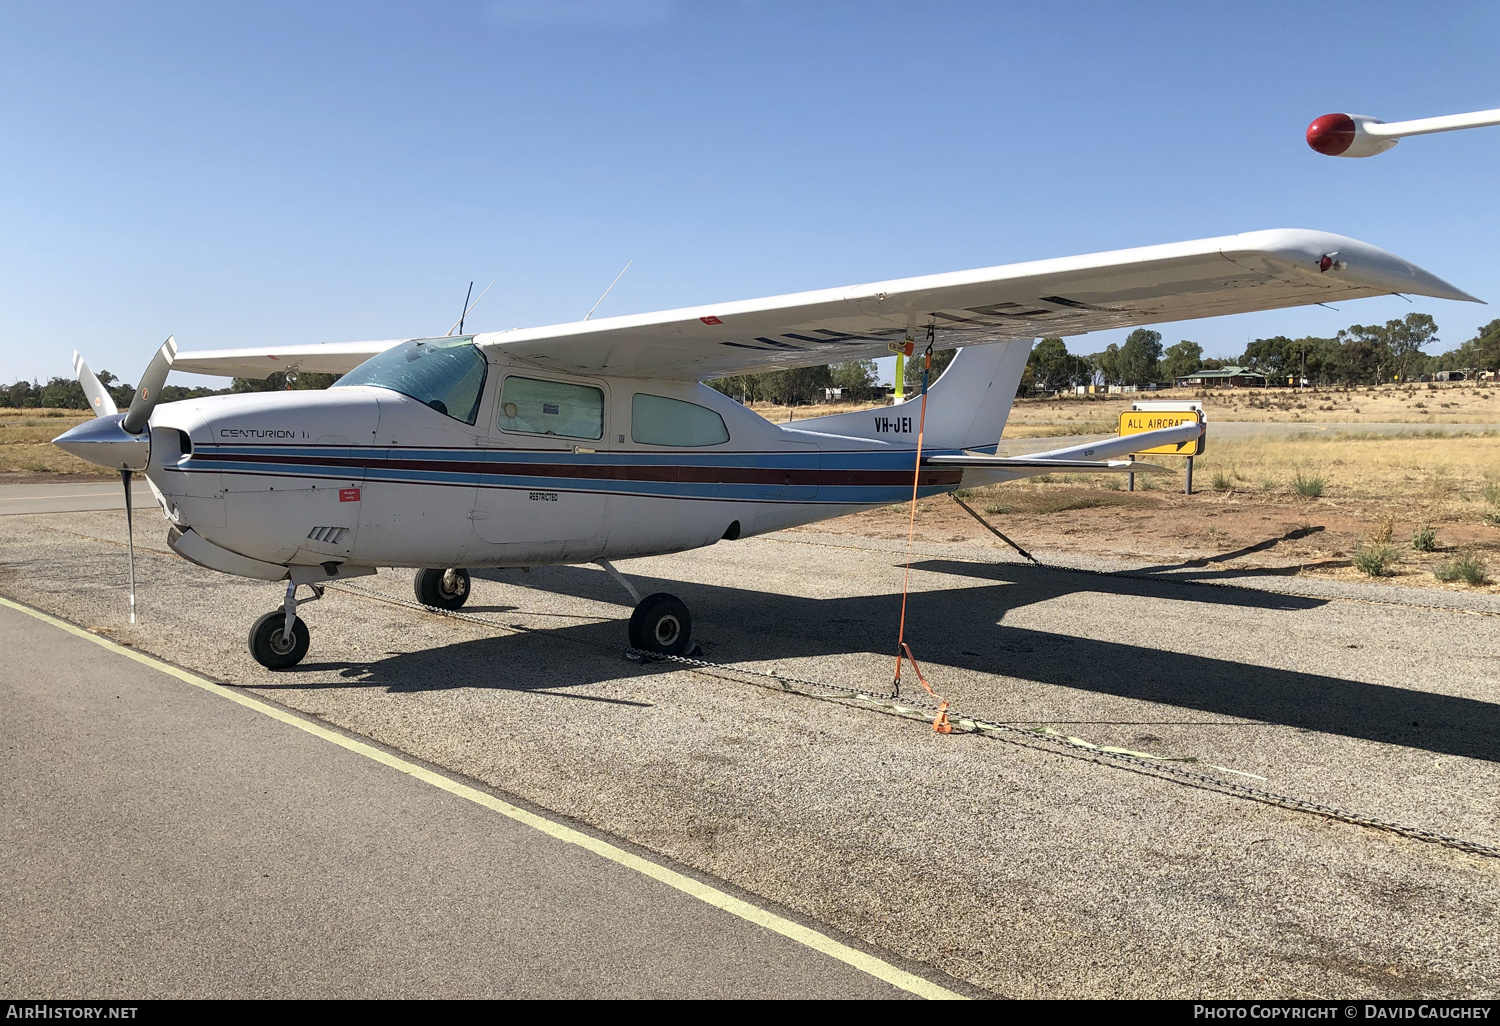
595,440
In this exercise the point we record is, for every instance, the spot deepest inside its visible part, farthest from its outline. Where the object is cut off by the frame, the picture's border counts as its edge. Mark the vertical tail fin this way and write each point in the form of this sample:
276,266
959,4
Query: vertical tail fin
966,408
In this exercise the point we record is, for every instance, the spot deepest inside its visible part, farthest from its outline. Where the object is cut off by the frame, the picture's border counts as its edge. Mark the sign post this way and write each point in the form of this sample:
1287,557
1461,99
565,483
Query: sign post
1152,416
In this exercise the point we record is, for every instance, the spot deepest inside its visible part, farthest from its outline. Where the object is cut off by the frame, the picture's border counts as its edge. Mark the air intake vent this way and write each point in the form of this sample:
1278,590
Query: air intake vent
327,535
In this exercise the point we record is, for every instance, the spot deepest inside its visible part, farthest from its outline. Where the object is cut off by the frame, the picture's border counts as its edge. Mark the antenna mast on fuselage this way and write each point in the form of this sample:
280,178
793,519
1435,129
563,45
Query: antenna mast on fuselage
458,325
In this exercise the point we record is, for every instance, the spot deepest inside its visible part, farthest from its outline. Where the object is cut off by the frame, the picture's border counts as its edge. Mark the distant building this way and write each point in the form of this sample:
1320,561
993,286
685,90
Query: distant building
1449,376
871,393
1224,377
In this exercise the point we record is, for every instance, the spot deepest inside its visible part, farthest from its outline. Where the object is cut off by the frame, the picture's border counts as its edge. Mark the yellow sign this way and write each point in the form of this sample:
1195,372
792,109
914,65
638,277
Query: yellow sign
1134,422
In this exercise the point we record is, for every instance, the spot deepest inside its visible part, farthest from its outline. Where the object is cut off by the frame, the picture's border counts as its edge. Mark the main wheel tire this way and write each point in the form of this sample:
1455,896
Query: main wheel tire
661,624
445,589
271,649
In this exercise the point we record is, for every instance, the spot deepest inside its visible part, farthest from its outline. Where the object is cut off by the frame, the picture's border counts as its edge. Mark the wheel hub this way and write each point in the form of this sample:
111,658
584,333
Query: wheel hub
282,641
667,629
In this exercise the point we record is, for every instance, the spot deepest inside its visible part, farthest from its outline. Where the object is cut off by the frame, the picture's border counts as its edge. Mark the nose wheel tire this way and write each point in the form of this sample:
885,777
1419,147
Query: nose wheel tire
271,648
445,589
661,624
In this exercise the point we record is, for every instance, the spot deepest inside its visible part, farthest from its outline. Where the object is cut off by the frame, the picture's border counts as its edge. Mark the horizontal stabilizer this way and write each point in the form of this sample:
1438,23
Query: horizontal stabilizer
1032,463
1124,445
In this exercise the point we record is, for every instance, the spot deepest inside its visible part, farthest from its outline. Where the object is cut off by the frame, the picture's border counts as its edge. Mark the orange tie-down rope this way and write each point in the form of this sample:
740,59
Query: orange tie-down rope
903,650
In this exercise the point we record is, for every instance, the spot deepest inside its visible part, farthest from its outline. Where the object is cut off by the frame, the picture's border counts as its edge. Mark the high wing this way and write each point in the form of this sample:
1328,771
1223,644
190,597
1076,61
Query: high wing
1264,270
263,361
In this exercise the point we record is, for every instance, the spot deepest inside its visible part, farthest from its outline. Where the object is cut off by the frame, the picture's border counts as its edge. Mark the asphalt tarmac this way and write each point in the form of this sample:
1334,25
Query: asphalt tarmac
1023,866
161,841
71,496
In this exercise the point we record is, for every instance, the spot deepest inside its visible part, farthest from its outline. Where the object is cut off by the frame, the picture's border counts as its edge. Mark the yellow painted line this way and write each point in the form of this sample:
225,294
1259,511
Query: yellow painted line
101,493
803,935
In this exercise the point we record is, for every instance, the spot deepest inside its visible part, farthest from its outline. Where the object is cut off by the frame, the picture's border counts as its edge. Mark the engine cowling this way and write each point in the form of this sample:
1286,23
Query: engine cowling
1347,135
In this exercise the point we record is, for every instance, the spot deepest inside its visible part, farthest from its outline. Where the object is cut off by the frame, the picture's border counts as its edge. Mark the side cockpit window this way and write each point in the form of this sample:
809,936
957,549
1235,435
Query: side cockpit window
657,420
551,408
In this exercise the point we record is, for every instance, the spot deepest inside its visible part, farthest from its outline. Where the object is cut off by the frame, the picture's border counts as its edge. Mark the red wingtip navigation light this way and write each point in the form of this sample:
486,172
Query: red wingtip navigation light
1331,134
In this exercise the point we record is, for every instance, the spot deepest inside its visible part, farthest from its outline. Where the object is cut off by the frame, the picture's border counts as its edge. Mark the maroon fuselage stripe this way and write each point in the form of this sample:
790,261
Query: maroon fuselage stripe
613,472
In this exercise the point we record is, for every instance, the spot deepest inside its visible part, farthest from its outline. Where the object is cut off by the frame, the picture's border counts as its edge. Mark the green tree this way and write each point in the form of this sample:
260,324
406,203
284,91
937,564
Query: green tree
1273,357
1486,347
1316,356
1406,339
854,374
1482,352
1108,364
276,382
1051,367
1362,357
799,385
64,394
1140,357
1181,360
20,395
940,362
1048,361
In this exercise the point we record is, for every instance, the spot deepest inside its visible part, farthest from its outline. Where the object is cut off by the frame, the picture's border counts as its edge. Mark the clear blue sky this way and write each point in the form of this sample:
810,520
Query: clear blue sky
261,173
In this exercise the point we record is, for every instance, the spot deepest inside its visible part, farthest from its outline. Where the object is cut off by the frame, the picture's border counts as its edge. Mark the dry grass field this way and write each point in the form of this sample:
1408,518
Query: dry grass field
1462,402
1306,505
26,443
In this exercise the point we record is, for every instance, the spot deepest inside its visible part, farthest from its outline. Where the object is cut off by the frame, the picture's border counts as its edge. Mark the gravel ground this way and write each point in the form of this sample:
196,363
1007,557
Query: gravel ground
1025,869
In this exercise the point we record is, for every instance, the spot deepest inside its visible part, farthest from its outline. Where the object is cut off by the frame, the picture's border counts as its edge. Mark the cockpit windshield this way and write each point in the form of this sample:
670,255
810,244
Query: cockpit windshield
445,373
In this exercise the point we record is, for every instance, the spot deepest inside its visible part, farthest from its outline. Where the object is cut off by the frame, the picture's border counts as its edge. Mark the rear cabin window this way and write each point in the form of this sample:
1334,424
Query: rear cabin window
657,420
551,408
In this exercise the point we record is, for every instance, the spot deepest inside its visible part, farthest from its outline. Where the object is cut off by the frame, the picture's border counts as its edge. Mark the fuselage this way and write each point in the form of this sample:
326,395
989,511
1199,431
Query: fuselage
511,465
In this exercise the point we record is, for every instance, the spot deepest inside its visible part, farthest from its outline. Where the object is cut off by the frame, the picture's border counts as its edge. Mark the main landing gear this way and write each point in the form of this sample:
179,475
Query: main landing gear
445,589
660,624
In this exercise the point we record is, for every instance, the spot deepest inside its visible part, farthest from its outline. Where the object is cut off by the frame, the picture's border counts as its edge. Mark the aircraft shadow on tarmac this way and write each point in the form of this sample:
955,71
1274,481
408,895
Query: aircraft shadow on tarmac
961,628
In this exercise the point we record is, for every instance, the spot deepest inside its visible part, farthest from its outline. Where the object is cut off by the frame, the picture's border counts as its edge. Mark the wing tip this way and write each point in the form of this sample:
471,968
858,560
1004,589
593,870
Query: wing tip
1364,264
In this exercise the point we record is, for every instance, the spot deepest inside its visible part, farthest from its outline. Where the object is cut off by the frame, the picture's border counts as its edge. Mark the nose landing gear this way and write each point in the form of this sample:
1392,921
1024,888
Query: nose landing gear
270,645
279,640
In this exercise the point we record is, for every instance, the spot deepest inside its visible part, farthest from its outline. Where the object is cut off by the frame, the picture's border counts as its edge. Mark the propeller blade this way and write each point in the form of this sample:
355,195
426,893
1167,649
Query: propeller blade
151,382
130,539
99,398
